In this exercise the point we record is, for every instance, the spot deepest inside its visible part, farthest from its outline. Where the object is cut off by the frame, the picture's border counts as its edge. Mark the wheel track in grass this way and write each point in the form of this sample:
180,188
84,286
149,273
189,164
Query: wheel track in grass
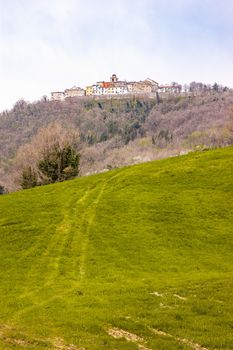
55,239
83,232
76,238
63,233
89,217
44,253
90,220
65,238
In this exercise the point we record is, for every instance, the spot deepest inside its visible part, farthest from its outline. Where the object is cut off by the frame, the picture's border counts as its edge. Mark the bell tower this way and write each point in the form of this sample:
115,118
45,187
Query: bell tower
113,78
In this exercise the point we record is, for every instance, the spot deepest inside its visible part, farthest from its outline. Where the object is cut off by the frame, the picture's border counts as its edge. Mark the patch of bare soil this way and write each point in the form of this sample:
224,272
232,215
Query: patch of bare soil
166,306
192,345
4,329
15,341
179,297
141,347
120,333
59,344
157,294
158,332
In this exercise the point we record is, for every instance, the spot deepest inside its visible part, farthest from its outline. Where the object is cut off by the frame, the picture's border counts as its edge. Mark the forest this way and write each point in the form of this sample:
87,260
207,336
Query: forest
110,133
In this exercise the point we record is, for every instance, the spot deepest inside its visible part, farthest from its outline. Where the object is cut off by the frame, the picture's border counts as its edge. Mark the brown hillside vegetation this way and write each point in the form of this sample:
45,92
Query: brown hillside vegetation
116,132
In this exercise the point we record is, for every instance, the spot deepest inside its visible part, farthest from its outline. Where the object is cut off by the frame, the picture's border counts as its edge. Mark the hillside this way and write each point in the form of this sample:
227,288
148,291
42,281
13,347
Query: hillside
121,131
136,258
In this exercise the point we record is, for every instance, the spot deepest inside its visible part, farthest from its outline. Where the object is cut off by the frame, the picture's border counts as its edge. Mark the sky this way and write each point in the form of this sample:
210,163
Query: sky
51,45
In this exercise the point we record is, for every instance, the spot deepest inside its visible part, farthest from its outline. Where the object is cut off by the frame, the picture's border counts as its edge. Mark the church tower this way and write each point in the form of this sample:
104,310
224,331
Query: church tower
113,78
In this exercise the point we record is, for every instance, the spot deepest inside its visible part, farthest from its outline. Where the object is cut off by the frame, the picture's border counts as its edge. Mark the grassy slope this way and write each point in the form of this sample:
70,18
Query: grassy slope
80,257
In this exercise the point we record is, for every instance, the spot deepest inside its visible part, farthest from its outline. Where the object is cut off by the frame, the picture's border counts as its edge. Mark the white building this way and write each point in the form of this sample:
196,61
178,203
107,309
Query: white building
75,91
57,96
170,88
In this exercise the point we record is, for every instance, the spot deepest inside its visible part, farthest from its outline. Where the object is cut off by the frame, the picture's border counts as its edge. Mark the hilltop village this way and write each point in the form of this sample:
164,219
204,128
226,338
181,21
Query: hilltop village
116,87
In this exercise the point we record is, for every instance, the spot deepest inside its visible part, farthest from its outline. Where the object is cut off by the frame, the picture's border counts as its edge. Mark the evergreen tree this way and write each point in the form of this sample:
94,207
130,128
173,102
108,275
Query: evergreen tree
60,164
2,190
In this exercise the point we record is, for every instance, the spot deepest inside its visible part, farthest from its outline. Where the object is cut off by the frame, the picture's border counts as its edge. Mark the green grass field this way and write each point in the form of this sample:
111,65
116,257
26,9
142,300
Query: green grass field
136,258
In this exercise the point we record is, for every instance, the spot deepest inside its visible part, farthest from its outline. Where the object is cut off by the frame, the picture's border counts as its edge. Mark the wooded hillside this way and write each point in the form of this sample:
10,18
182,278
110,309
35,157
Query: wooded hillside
115,132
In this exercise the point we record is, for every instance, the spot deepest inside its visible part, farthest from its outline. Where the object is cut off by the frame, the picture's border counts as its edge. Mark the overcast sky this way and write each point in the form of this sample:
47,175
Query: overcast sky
50,45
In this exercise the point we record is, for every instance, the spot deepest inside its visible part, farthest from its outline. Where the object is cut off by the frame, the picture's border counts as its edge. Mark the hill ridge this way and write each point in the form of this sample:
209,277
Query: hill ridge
141,248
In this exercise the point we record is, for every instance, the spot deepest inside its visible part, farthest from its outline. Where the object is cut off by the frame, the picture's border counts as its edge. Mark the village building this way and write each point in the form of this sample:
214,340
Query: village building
57,96
112,87
130,87
75,91
89,90
141,88
172,88
116,87
97,89
147,86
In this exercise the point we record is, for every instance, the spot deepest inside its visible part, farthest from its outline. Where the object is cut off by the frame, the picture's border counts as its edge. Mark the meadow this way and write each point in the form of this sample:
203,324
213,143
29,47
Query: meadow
135,258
